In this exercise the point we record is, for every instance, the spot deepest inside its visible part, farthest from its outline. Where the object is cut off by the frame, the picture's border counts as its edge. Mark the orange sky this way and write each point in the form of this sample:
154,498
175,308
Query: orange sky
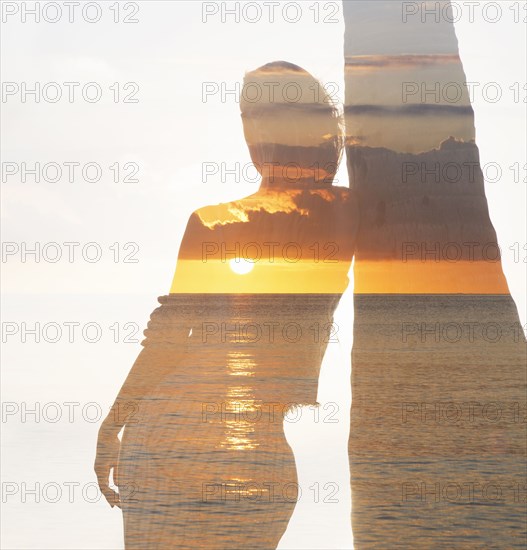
300,241
216,276
371,277
416,277
296,240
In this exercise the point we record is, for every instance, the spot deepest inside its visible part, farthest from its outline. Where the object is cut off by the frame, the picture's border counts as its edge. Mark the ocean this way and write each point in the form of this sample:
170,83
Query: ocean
436,439
438,423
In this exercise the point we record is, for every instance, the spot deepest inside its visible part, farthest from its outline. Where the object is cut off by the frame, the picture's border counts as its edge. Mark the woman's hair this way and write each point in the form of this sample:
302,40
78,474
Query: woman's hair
291,125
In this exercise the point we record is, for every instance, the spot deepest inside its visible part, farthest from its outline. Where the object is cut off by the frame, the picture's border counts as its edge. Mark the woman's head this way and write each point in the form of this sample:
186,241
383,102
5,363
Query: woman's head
293,130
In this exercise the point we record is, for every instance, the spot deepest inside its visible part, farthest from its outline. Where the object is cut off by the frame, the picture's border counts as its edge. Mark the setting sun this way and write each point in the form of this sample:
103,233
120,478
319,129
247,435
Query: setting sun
241,266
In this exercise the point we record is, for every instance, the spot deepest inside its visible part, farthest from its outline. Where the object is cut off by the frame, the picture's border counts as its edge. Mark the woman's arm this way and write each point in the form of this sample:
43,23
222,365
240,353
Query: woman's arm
152,365
154,362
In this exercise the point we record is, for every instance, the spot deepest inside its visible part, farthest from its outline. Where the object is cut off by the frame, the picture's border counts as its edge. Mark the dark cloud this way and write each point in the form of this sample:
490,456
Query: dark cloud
294,108
432,197
419,109
382,61
319,216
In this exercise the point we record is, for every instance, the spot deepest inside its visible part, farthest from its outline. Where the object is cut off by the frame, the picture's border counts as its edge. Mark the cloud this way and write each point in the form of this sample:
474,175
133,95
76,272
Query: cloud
372,62
355,140
291,108
301,216
239,211
277,68
420,109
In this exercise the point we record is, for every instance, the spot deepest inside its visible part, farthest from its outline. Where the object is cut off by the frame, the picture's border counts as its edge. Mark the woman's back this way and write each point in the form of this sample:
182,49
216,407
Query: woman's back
214,422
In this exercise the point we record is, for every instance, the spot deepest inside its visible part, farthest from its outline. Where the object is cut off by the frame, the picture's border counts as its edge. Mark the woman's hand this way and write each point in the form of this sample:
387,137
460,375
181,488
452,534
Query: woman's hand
108,445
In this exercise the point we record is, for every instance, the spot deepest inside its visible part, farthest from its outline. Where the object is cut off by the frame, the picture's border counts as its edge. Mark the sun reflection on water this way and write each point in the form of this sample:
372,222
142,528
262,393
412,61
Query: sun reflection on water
240,408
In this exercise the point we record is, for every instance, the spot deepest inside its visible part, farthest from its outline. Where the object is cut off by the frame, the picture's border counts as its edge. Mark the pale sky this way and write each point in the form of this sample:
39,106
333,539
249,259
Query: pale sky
170,53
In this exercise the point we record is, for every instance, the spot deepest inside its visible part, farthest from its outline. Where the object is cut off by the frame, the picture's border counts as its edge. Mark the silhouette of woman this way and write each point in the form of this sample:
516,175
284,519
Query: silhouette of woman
203,461
421,351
